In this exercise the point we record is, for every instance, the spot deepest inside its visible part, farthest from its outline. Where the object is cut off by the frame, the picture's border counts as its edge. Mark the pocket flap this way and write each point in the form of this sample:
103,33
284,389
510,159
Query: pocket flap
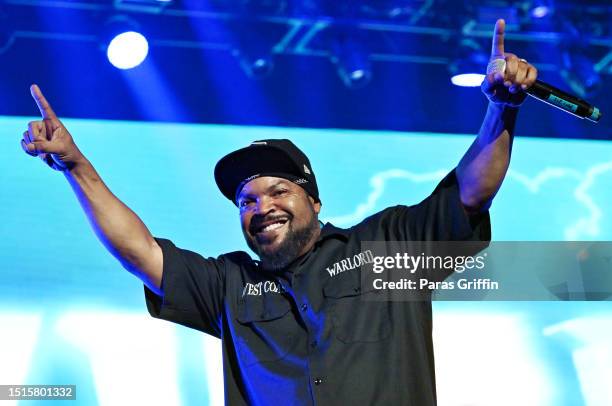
265,307
346,284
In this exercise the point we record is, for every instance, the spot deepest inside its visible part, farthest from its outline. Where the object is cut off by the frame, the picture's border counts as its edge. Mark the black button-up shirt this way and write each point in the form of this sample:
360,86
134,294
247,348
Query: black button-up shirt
306,337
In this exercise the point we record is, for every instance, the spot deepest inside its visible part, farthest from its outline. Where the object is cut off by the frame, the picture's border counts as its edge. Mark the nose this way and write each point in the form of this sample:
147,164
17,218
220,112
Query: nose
265,204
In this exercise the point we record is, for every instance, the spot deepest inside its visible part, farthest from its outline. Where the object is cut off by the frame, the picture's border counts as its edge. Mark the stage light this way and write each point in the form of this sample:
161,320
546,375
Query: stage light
125,45
467,79
467,70
127,50
253,50
541,8
349,54
257,65
540,11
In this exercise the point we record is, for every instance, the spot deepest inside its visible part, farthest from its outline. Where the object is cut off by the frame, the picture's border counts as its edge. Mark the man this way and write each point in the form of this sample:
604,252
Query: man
294,327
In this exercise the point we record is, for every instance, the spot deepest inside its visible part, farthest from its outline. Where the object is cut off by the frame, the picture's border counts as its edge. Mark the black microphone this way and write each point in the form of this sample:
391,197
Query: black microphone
566,102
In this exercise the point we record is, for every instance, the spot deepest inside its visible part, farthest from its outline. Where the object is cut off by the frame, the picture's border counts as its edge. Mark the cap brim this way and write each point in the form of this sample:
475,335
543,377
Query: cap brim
239,165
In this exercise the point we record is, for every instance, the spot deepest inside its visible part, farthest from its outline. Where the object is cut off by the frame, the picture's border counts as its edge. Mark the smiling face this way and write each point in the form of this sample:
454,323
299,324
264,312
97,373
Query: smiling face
279,220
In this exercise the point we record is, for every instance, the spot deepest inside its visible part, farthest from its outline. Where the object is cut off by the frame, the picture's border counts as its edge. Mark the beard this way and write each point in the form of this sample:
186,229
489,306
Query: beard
290,248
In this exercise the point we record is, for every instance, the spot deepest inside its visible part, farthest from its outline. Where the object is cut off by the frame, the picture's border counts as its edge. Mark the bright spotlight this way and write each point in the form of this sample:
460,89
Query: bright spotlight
467,79
466,70
127,50
540,12
358,74
541,8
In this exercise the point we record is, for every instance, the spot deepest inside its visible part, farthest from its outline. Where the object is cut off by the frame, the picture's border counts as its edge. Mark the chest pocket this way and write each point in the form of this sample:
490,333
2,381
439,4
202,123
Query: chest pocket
267,330
357,312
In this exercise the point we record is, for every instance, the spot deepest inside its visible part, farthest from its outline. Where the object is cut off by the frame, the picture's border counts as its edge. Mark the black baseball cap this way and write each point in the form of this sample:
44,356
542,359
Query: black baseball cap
277,157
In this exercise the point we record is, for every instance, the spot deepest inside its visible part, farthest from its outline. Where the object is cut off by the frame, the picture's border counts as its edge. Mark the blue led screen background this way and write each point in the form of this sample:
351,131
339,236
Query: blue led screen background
70,314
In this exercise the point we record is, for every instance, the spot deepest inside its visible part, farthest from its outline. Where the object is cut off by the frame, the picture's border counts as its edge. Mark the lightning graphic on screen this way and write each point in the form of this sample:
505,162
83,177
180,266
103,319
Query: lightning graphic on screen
585,227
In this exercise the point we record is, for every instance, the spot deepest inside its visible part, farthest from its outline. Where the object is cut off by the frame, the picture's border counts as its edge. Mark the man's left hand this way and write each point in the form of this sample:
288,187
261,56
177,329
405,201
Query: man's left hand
508,76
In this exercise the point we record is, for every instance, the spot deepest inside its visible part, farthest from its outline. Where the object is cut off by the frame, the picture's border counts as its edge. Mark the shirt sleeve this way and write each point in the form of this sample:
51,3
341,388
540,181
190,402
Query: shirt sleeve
440,217
193,290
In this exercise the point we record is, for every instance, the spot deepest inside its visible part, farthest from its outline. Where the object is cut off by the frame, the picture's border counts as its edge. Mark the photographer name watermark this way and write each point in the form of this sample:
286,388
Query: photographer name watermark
426,284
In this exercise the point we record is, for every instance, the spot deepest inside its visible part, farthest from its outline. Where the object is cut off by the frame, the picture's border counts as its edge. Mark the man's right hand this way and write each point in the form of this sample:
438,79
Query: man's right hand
48,138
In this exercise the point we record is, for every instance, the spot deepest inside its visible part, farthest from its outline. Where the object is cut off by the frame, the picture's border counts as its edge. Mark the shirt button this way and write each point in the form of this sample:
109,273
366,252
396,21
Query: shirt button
304,307
318,381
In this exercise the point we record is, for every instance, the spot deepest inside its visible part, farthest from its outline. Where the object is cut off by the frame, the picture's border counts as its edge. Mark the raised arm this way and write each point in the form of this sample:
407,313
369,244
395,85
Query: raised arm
482,169
117,227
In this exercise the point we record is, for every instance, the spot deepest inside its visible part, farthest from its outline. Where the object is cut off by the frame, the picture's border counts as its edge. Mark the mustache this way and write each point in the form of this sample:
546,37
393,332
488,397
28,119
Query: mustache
258,219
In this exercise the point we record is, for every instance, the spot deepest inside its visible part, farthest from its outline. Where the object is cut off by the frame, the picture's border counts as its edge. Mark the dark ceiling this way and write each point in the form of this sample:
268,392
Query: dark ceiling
193,73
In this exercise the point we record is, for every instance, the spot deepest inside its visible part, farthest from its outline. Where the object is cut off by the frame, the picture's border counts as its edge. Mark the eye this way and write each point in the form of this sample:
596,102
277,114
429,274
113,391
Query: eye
243,203
279,192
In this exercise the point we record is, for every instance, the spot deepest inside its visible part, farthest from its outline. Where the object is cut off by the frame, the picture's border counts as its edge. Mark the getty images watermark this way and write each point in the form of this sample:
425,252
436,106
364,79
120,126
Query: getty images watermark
438,266
475,270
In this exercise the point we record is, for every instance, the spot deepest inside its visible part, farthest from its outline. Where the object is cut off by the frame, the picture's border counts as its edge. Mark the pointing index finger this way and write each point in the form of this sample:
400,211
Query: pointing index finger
497,49
43,105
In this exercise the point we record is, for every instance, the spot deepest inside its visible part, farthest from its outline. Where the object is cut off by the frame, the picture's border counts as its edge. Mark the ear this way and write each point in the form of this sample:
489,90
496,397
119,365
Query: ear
315,206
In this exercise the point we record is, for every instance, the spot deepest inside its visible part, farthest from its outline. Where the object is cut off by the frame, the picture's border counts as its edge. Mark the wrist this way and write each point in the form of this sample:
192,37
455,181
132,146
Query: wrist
78,165
500,118
504,111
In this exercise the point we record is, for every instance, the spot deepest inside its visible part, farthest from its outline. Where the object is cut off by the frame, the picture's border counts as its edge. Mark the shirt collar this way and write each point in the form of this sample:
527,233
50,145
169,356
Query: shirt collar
329,230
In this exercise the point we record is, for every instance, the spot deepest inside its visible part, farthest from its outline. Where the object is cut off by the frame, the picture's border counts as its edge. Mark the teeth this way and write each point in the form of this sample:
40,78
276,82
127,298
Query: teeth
271,227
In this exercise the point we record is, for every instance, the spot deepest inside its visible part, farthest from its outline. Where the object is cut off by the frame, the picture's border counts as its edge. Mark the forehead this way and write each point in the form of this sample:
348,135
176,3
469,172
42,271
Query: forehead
264,183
